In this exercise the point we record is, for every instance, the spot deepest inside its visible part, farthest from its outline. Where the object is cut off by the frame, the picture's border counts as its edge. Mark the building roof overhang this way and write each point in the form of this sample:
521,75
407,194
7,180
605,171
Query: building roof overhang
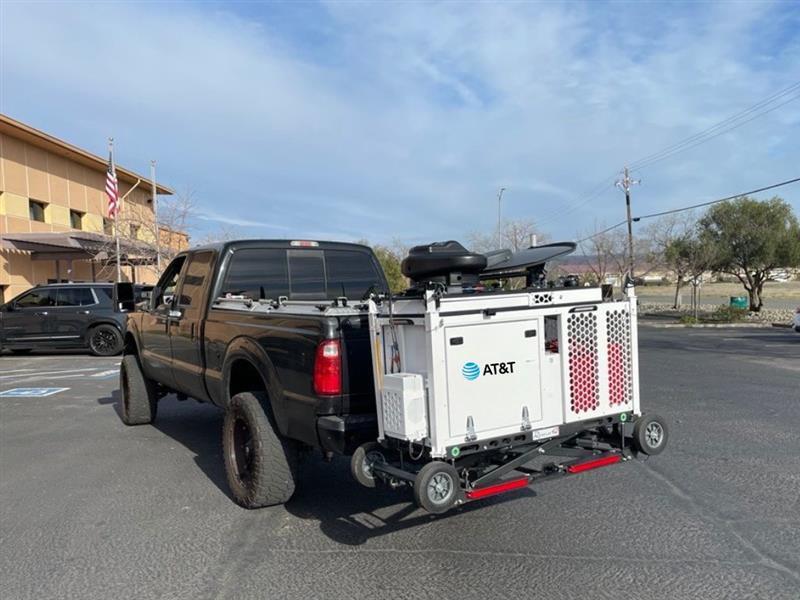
78,245
33,136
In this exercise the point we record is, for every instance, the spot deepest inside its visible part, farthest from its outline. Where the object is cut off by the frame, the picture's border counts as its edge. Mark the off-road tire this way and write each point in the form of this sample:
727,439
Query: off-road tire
105,340
138,402
650,434
260,464
425,483
364,456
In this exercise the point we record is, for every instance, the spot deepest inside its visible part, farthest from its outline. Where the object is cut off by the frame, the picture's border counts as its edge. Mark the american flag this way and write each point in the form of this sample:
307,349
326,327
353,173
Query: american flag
111,188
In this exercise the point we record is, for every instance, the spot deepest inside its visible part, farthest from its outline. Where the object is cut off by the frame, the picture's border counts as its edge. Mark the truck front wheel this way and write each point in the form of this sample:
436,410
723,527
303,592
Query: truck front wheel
138,402
259,463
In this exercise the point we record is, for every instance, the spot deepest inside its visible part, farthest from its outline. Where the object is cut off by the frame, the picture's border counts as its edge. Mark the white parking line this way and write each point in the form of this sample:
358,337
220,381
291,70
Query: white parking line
48,373
105,373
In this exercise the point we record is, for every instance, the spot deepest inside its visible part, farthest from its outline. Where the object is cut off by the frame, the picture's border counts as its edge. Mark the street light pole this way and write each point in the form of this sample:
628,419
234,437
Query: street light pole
625,184
499,207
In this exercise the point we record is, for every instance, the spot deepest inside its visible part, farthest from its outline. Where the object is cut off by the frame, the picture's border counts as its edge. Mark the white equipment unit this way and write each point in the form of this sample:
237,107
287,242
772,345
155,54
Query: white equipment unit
404,411
499,367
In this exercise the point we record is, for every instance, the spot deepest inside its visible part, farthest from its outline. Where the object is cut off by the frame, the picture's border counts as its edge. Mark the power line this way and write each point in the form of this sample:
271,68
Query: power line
732,118
595,192
606,230
720,128
692,207
677,210
642,164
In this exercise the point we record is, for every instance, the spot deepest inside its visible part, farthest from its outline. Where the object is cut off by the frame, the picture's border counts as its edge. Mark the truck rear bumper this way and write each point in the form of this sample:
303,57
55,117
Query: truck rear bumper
342,434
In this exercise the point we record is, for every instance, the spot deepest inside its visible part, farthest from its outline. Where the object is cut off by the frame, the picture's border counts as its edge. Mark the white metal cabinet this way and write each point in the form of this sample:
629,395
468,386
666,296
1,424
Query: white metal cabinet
493,376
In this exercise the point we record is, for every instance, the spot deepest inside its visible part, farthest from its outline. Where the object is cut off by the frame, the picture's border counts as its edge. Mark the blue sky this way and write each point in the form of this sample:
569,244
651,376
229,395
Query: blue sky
401,120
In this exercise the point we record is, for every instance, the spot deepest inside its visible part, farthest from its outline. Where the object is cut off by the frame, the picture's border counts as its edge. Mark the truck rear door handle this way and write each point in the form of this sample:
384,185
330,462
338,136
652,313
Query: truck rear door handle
85,312
40,314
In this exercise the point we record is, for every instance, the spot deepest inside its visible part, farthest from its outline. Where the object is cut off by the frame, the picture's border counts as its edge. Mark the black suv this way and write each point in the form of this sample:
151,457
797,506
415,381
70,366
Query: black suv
64,315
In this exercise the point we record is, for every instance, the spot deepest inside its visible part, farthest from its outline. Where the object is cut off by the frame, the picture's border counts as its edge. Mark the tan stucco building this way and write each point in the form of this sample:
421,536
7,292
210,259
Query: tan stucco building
54,223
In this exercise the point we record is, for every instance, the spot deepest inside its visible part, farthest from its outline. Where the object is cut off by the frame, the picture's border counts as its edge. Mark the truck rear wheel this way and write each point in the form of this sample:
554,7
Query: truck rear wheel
138,398
259,463
364,457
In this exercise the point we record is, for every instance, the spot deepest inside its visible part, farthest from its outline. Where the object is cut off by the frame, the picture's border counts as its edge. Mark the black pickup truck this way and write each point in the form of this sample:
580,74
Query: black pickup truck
272,332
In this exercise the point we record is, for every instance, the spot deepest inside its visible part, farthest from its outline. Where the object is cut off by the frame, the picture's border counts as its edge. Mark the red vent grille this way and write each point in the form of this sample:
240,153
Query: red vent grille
620,369
584,376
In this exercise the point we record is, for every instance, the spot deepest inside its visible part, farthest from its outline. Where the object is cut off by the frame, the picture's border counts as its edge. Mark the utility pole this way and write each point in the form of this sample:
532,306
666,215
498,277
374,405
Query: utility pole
499,205
625,184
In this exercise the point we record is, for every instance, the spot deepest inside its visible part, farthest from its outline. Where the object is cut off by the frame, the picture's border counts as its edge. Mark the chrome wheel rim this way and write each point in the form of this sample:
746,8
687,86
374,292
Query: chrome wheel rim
653,434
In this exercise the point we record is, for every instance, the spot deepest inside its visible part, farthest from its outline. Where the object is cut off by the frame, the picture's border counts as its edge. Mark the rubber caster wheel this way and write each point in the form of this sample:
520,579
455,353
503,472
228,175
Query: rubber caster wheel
362,460
436,487
650,434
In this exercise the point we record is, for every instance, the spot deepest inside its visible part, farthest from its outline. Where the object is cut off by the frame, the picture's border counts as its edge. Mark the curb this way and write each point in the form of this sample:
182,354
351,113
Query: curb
713,325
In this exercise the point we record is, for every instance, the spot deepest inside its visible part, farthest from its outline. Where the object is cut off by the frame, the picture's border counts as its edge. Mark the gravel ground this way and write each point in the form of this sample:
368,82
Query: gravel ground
767,315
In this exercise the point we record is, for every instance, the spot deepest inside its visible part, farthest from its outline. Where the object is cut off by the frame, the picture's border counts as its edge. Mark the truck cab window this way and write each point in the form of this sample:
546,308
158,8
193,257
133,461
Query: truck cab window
193,280
257,273
306,274
350,273
165,290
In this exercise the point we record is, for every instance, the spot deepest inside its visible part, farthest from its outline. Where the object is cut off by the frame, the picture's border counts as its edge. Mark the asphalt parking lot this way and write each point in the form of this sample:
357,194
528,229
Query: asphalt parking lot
90,508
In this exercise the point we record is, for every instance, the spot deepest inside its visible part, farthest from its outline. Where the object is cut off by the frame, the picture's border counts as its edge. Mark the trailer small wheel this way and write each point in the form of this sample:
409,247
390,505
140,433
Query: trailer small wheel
364,457
436,487
650,434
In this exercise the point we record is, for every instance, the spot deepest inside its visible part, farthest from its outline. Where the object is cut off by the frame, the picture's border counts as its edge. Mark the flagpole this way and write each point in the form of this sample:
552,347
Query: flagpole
155,214
116,211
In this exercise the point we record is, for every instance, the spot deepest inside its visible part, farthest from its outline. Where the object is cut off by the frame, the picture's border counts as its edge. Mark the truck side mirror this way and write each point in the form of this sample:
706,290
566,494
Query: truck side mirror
123,297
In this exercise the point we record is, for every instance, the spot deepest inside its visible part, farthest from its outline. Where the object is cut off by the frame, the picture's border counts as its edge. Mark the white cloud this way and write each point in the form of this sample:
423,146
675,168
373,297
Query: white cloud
412,115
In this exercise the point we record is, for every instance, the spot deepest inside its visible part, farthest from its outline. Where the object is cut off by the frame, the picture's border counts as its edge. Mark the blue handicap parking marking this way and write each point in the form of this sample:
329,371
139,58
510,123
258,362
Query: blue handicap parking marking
31,392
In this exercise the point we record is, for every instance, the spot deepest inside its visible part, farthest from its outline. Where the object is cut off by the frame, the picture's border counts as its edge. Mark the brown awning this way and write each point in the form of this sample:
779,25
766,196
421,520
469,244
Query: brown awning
77,246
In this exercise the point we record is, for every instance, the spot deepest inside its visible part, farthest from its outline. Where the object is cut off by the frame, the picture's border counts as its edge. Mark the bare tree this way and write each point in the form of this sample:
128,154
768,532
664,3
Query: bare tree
691,256
512,235
661,236
223,233
141,240
604,252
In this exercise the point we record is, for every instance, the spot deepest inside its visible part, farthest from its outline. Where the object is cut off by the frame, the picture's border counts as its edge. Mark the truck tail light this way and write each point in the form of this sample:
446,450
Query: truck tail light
328,368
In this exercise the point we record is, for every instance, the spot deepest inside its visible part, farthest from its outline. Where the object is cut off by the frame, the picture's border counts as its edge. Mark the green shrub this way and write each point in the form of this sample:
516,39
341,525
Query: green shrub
688,320
730,314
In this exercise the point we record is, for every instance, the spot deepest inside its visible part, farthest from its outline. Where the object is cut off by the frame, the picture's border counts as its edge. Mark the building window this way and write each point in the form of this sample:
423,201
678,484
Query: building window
108,226
76,219
135,231
36,210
